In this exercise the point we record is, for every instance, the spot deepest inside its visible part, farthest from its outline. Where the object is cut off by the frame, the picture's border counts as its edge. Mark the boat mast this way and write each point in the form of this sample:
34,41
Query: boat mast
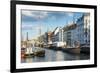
39,32
27,39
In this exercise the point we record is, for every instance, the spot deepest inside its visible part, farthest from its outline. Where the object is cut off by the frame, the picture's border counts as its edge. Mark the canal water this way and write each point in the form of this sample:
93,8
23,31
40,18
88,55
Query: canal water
55,55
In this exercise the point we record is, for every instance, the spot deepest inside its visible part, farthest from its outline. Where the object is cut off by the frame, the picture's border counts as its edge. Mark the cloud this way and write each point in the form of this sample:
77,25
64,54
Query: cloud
70,14
27,27
27,13
32,27
35,14
31,15
70,22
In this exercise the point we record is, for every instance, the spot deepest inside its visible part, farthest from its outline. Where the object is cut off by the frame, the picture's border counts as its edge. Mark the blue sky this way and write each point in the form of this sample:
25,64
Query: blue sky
32,21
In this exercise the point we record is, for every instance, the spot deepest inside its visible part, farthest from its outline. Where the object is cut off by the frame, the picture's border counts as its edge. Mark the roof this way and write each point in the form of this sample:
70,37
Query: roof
70,27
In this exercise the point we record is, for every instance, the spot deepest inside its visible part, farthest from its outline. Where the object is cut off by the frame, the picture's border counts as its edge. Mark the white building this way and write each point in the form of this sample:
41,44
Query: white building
83,29
58,37
87,28
78,33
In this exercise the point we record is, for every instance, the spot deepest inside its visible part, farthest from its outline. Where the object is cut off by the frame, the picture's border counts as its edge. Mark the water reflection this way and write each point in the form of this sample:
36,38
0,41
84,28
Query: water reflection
29,60
52,55
59,56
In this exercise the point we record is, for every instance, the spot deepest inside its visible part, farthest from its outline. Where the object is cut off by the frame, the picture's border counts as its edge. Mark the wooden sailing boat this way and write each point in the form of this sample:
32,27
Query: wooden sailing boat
31,51
38,50
26,49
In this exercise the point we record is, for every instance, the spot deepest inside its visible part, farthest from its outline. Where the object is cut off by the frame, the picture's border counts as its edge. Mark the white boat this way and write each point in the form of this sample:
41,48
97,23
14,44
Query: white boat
39,51
29,52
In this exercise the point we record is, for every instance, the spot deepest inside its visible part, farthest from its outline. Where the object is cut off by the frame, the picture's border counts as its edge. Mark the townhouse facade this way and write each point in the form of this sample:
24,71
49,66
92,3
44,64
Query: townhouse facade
78,32
83,29
58,37
70,35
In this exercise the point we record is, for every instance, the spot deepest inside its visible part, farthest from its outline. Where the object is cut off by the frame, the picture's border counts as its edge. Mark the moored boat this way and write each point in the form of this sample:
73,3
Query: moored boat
39,52
31,52
27,52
